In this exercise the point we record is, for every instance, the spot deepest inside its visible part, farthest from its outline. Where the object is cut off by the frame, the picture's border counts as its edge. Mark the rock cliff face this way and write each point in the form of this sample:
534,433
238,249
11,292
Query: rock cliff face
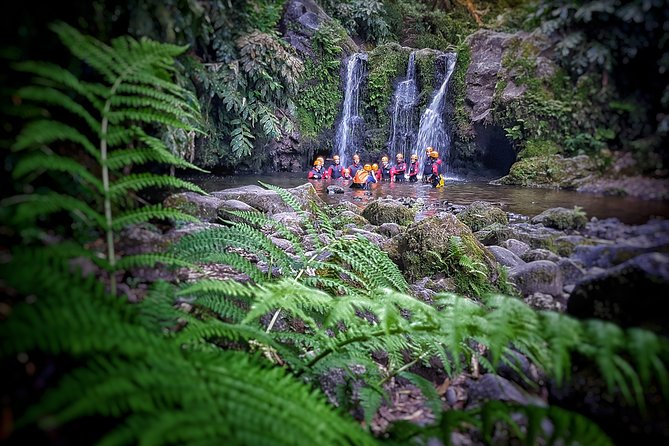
491,87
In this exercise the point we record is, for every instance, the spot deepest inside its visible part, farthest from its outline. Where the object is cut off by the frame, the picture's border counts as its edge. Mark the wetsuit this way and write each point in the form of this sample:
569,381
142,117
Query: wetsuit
436,178
353,168
399,170
316,173
334,171
384,172
427,169
413,172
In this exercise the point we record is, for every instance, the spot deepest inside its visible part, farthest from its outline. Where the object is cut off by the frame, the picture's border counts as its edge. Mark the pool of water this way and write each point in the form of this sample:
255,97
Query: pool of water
516,200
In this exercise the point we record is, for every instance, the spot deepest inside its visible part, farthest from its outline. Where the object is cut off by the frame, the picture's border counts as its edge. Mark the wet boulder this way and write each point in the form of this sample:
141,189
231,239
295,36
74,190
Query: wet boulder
494,387
426,247
561,218
227,207
269,201
540,276
516,246
540,254
610,255
388,211
550,171
572,271
202,207
481,214
389,229
505,257
631,294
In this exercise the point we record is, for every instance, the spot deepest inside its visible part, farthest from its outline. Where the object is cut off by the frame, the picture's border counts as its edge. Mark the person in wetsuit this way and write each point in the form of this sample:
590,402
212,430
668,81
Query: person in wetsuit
335,170
427,167
317,172
413,169
437,177
353,168
385,169
363,178
400,168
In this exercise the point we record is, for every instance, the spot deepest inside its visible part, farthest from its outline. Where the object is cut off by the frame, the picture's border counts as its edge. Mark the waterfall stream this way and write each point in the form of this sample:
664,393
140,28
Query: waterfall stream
346,141
402,133
432,131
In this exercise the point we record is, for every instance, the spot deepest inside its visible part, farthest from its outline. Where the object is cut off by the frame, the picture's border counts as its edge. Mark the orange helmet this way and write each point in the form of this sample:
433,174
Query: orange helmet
434,154
317,162
429,150
399,156
367,167
321,159
384,159
414,157
375,166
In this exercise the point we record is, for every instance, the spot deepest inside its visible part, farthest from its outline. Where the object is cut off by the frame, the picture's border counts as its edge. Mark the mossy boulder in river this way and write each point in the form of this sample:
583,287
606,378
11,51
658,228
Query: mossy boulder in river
388,211
481,214
551,171
561,218
428,247
203,207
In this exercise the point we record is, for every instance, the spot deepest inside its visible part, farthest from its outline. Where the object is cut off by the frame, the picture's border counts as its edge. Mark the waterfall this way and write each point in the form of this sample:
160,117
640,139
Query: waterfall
346,142
432,131
402,134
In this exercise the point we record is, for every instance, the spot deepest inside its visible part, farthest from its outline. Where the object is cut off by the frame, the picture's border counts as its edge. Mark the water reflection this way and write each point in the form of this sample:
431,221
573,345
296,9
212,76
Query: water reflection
517,200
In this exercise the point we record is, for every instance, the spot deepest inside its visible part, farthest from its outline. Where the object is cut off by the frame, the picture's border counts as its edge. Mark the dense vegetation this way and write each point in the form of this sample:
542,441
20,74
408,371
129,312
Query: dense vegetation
199,361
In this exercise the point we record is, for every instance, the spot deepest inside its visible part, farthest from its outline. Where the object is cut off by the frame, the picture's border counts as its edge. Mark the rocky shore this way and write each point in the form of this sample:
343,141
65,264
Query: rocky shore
559,260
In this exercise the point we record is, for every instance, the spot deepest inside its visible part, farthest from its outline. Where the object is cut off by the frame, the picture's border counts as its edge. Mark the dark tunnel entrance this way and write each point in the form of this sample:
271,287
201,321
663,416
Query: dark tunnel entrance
497,152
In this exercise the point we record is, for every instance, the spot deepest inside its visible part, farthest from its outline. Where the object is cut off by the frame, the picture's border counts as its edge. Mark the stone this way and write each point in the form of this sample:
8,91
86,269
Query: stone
373,237
505,257
334,189
389,229
545,302
268,201
550,171
424,248
572,271
540,276
233,205
607,256
203,207
632,294
286,153
516,246
388,211
561,218
540,254
494,387
481,214
352,217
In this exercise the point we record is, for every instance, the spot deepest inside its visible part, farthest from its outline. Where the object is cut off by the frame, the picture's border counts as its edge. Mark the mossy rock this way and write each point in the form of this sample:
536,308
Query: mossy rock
424,248
551,171
481,214
202,207
388,211
562,218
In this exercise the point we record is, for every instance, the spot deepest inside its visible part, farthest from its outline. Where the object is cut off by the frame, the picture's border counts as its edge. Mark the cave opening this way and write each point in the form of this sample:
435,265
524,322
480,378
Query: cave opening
497,152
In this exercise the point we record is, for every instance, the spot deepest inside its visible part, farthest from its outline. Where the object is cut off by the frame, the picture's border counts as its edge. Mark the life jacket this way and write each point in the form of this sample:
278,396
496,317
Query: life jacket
413,169
437,168
360,177
334,171
353,168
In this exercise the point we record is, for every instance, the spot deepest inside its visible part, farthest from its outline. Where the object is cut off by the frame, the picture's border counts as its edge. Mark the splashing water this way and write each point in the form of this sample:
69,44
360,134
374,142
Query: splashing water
432,131
402,134
346,144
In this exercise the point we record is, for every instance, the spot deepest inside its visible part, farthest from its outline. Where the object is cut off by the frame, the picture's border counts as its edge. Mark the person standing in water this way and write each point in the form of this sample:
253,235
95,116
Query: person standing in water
317,172
353,168
385,169
335,170
363,178
413,169
436,178
400,169
427,168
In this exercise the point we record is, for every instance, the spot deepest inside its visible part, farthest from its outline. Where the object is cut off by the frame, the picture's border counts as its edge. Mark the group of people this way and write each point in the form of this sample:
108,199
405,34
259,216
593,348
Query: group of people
364,175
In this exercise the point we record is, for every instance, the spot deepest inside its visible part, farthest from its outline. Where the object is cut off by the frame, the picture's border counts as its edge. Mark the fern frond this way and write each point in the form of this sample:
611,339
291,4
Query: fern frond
43,132
147,213
151,260
27,208
52,162
54,97
235,261
140,181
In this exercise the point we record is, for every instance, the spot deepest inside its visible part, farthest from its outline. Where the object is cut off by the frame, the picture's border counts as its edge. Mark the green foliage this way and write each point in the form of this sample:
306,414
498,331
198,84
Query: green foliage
319,88
134,88
459,89
386,63
363,18
538,147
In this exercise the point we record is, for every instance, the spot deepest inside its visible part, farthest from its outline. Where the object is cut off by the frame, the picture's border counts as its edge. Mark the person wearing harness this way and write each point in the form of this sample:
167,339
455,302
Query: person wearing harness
436,178
427,168
400,169
335,170
363,177
384,171
413,169
317,172
353,168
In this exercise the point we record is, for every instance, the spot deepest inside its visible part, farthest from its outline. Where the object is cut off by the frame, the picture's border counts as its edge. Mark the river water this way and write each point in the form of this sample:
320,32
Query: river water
519,201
